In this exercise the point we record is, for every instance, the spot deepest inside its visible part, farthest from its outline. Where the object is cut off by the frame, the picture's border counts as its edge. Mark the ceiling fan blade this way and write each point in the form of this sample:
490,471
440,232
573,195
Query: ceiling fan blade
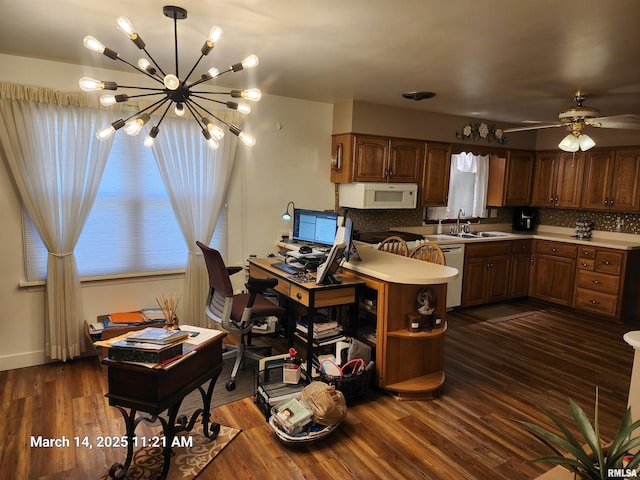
629,122
536,127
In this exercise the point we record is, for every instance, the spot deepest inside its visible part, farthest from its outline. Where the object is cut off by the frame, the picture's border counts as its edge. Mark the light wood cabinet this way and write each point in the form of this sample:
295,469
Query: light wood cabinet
553,272
487,268
557,180
612,180
510,179
410,365
435,173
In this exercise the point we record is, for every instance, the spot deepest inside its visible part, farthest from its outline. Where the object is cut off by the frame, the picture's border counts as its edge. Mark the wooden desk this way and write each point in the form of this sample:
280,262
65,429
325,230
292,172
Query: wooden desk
139,389
308,294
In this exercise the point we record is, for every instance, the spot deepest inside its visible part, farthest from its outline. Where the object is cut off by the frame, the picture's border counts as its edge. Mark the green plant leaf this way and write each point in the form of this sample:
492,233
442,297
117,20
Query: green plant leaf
587,431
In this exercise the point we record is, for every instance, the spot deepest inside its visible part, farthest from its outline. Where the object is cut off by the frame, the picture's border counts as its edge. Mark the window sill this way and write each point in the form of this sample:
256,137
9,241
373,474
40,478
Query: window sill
113,279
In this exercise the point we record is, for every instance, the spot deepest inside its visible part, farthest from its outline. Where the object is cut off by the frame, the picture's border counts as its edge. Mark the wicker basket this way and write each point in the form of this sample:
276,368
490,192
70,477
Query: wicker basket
351,386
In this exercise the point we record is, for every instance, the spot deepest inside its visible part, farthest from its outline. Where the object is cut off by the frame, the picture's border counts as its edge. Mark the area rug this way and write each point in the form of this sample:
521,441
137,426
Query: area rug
186,462
501,312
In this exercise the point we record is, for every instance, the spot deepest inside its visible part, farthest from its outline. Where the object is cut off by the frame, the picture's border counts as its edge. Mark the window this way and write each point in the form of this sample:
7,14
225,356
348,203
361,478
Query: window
467,188
131,227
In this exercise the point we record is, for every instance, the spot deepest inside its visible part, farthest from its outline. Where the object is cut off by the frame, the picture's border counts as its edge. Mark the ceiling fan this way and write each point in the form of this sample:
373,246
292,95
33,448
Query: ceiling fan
577,118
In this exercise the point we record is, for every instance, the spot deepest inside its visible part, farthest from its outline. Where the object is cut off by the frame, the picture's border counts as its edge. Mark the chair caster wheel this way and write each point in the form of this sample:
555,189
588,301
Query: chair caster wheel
231,385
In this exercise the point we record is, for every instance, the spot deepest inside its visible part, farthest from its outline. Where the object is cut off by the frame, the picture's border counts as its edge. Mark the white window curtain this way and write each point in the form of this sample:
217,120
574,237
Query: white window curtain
468,182
196,179
48,139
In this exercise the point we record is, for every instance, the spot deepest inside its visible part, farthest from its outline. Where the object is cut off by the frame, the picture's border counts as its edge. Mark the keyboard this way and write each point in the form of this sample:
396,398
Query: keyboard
288,267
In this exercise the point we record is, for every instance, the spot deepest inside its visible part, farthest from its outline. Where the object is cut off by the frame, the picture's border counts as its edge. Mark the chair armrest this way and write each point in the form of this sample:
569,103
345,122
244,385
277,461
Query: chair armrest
259,285
233,270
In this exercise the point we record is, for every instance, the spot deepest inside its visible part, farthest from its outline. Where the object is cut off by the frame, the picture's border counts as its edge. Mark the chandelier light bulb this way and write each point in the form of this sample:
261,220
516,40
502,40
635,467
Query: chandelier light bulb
253,94
213,72
250,62
144,64
179,110
586,142
151,138
171,82
107,100
133,127
90,85
216,131
105,133
125,26
247,139
569,143
244,108
215,34
93,44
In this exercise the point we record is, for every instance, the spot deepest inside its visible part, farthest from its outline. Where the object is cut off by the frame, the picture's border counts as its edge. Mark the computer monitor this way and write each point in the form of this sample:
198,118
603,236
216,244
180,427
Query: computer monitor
314,226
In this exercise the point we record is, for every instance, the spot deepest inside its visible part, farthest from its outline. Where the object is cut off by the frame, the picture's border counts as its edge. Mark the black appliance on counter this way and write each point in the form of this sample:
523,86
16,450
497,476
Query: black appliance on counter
525,219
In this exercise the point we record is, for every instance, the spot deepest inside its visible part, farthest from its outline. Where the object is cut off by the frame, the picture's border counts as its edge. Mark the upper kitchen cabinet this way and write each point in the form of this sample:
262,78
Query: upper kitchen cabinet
369,158
436,168
342,158
557,180
510,179
611,180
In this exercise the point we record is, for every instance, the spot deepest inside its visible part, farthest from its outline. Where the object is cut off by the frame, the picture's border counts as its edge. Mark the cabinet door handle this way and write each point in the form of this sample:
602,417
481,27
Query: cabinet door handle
596,282
584,264
298,296
606,201
608,263
554,250
593,302
611,202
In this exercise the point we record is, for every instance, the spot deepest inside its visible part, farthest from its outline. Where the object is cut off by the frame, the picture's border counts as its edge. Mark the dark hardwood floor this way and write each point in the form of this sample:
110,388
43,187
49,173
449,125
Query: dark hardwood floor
494,372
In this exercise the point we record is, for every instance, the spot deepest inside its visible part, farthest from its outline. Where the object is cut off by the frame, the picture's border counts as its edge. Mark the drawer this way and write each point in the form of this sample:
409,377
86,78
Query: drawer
325,297
282,286
587,252
608,261
300,295
556,249
596,302
522,246
588,264
598,281
488,249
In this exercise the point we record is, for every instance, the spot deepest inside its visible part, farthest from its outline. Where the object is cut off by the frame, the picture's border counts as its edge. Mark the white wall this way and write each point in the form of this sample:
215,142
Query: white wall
289,162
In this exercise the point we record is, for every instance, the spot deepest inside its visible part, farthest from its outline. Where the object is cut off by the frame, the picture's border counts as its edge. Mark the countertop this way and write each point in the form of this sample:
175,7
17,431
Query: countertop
393,268
621,241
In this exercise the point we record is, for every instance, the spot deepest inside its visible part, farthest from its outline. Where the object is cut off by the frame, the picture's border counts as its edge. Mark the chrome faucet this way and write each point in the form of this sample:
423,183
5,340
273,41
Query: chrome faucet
460,213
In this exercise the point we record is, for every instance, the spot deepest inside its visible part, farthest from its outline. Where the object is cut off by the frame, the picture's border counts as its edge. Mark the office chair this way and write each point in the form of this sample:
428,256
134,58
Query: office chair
394,244
237,313
429,252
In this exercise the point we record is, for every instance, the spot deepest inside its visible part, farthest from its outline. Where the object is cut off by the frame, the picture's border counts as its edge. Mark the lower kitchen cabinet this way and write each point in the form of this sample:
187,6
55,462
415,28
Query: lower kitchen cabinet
521,260
487,268
553,272
606,282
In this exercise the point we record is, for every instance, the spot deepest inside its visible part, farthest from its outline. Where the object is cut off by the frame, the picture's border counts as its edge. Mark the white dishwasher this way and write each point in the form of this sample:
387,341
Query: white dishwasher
454,257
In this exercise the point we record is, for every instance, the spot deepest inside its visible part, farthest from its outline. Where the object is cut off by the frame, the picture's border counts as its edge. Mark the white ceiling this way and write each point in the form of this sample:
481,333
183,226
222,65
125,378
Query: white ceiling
501,60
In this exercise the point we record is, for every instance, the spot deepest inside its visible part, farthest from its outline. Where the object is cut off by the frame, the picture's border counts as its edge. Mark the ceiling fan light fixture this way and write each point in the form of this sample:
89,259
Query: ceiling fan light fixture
569,143
586,142
576,141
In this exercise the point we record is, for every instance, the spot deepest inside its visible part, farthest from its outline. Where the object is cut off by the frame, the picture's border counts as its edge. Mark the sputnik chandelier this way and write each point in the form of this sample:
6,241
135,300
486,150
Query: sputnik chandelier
173,90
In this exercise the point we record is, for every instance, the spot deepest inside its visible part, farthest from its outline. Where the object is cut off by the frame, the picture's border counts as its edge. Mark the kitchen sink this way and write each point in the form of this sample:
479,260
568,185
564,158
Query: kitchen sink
479,235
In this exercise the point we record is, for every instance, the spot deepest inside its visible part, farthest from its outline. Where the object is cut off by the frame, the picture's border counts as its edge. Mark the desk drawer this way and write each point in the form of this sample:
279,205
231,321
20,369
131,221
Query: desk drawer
324,297
282,286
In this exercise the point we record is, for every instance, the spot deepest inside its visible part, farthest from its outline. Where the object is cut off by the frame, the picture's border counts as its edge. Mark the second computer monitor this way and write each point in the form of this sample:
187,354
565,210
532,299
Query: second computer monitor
314,226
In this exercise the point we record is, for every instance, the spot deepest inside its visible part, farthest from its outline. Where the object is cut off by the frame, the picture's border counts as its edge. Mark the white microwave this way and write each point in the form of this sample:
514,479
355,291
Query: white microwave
378,195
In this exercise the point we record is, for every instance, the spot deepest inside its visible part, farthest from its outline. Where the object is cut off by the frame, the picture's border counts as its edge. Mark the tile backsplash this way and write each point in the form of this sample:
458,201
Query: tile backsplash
379,220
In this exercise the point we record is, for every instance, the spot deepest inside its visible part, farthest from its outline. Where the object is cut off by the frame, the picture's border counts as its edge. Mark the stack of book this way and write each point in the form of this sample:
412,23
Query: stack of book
325,332
292,416
151,345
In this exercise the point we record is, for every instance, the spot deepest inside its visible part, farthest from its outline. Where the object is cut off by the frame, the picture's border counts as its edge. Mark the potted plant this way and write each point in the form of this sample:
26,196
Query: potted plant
596,461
